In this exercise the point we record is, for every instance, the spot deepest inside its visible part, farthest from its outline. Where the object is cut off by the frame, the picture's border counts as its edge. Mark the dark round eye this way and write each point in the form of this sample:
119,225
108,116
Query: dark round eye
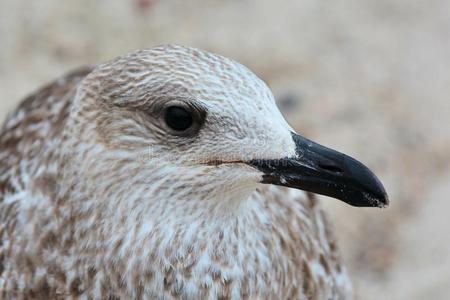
178,118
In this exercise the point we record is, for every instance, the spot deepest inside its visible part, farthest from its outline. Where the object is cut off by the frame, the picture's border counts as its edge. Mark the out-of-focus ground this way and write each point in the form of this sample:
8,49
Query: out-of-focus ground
368,77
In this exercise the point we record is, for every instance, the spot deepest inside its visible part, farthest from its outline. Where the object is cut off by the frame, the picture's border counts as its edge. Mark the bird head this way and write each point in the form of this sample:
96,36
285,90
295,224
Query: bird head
185,123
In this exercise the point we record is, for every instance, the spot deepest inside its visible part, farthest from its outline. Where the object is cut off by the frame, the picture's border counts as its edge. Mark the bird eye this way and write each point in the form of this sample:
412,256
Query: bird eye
178,118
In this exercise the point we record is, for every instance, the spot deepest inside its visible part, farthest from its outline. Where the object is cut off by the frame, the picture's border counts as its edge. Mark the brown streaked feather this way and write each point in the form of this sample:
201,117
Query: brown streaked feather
23,126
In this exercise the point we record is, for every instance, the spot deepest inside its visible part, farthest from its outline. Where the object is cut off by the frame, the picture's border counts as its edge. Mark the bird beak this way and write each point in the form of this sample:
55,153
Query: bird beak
324,171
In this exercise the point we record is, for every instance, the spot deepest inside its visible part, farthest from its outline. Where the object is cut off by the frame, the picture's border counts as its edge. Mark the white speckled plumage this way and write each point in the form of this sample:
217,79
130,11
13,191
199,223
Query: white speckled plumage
99,201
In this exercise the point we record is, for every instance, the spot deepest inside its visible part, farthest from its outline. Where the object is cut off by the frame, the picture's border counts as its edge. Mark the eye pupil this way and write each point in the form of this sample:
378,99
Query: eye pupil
178,118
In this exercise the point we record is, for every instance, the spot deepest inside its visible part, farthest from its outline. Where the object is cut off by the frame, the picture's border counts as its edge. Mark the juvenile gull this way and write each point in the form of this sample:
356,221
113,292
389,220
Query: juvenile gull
156,176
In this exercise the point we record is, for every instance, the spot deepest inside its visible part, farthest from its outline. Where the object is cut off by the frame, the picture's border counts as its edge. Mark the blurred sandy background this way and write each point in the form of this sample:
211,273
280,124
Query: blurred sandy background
368,77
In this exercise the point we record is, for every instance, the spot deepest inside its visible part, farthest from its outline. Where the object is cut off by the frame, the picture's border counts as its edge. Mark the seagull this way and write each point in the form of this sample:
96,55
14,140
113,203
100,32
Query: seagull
169,173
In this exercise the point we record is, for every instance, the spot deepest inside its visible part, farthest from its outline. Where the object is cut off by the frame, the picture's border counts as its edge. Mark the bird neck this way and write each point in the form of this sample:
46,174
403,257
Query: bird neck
204,245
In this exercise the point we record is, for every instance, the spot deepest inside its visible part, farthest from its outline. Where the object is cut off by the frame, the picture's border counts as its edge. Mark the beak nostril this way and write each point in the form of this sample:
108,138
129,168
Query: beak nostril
331,168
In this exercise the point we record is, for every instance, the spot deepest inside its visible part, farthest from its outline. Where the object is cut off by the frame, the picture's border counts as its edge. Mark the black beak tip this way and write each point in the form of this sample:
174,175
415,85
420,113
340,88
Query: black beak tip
371,192
384,203
381,201
374,197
